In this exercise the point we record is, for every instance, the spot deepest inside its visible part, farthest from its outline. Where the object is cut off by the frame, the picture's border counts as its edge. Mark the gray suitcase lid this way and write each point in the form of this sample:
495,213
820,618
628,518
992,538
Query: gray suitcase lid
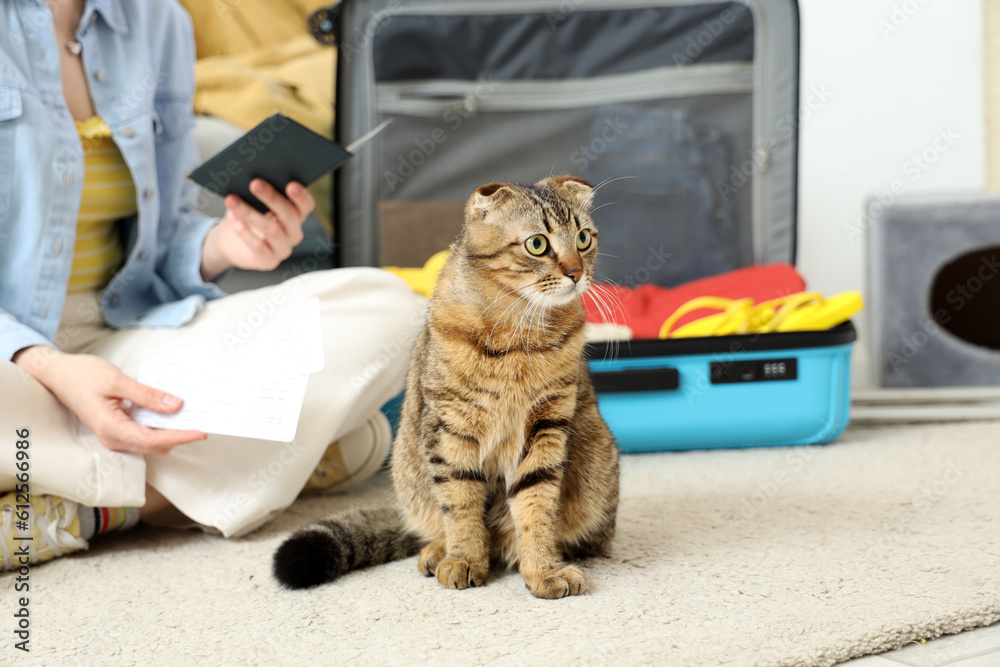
406,56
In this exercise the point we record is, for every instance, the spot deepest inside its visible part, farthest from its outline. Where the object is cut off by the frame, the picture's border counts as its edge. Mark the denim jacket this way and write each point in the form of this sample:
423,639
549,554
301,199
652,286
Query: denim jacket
139,63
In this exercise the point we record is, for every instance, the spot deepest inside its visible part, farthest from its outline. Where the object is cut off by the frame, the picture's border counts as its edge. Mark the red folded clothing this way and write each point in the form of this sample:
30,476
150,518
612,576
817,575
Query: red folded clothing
646,307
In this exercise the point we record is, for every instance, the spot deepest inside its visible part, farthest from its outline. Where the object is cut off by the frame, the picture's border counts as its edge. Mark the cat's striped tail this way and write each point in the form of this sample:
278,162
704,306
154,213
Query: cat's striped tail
350,540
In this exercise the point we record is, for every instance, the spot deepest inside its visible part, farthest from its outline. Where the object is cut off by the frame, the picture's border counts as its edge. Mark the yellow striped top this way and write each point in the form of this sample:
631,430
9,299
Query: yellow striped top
108,196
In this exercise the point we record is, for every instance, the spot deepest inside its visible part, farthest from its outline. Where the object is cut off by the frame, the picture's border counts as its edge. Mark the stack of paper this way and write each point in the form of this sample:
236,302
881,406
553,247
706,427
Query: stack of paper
246,379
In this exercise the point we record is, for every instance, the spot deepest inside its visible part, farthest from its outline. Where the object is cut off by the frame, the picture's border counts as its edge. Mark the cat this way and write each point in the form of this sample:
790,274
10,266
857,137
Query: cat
501,454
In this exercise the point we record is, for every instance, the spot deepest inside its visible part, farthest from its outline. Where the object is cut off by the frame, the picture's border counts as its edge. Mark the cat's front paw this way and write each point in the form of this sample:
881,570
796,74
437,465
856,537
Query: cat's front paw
455,573
430,556
554,585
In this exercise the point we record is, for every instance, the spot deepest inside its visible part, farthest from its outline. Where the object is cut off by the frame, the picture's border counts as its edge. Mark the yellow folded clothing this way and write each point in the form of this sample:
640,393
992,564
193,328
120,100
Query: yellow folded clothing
422,280
802,311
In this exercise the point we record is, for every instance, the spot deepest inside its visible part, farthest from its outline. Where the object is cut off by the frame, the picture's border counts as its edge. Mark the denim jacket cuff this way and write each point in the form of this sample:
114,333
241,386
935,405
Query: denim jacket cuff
15,336
183,266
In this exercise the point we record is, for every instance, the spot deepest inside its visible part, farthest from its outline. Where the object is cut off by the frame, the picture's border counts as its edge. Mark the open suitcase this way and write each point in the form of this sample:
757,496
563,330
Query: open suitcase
685,112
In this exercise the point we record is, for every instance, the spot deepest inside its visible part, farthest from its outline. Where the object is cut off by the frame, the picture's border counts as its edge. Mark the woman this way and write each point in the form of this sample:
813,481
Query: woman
102,256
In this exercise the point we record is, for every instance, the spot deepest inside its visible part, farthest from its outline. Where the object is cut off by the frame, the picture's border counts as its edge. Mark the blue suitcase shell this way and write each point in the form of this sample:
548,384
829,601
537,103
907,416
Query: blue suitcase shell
728,391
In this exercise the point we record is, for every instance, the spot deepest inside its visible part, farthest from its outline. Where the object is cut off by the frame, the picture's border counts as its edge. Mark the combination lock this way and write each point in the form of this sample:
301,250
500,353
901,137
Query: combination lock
758,370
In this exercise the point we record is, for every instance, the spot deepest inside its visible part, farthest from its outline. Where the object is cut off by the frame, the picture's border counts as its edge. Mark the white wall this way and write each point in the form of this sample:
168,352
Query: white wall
899,74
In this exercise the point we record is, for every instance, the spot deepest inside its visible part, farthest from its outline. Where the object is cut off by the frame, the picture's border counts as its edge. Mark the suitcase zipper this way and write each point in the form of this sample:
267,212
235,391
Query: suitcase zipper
538,6
433,98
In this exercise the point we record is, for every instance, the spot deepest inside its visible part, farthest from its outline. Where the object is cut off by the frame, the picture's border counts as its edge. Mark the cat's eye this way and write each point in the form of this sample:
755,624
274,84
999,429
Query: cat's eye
537,244
583,239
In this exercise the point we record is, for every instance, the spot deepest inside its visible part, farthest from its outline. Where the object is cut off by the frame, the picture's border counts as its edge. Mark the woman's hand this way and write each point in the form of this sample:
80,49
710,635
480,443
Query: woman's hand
249,239
95,390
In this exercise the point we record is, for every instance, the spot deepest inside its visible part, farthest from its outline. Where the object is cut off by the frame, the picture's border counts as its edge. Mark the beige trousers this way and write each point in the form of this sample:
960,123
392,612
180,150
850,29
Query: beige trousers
370,320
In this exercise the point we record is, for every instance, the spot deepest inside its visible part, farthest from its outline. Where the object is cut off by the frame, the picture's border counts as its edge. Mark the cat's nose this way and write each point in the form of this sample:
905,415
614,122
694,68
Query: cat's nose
574,275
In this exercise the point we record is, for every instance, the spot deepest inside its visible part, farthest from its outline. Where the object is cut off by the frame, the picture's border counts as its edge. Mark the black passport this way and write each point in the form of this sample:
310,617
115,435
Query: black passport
280,151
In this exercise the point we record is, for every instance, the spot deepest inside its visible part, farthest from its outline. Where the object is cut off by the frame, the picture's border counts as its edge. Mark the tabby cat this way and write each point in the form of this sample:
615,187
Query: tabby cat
501,454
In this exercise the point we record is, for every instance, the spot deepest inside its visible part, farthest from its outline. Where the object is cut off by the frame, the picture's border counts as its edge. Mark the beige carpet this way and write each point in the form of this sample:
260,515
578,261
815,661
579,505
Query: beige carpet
803,556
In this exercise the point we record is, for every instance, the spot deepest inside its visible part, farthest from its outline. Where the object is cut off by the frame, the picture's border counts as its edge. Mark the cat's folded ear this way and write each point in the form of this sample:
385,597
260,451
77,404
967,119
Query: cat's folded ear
572,188
489,196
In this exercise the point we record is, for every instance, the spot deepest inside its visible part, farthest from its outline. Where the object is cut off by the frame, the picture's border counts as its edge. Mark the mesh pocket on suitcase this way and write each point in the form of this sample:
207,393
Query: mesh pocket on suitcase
651,106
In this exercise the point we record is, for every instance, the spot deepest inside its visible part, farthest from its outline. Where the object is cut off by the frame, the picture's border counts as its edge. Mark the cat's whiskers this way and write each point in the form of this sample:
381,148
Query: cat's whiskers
616,305
601,298
612,349
615,301
543,314
540,311
552,171
500,295
600,304
543,320
504,314
538,306
502,317
521,330
590,197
